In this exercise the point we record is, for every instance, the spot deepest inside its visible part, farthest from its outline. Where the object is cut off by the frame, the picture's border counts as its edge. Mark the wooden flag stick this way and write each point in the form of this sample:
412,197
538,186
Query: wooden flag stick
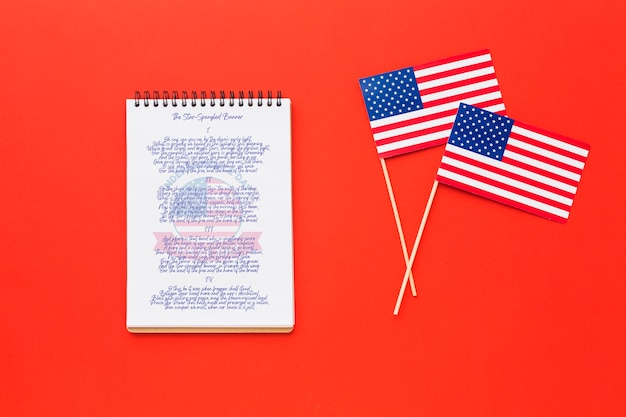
397,217
415,246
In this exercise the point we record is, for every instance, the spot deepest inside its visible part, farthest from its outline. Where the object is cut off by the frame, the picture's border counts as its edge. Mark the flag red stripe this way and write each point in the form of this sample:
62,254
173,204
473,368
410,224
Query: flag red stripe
455,71
422,119
501,199
544,159
557,136
416,133
412,148
414,121
509,174
463,96
506,187
452,59
539,171
457,84
547,147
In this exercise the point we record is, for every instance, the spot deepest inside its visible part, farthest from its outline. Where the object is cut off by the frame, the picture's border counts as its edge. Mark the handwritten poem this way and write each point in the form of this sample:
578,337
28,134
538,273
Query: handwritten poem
188,297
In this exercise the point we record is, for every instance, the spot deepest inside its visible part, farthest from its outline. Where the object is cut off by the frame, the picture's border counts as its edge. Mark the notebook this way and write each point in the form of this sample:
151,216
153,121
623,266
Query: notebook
209,213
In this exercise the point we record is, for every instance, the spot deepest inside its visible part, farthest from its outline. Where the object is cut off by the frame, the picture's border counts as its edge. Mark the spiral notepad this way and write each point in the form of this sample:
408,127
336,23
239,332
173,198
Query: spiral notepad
209,212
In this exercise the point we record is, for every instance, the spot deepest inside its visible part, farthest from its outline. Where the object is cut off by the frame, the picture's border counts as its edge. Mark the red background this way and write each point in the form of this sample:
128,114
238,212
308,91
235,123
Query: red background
516,315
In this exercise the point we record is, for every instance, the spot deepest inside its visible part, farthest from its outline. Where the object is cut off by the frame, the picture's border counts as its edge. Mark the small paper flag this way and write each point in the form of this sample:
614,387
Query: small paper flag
414,108
511,162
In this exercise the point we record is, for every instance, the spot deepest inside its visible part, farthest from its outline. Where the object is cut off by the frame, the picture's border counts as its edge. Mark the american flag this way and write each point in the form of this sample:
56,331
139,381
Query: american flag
516,164
414,108
207,206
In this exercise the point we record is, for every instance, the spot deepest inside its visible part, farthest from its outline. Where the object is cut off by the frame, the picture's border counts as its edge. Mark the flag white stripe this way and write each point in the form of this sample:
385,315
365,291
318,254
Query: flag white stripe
454,78
507,180
550,141
452,65
435,109
414,128
459,90
512,169
419,139
542,165
546,153
503,193
426,125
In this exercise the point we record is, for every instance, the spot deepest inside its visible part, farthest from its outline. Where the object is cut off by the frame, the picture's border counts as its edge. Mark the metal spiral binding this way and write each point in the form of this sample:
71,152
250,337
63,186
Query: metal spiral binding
157,99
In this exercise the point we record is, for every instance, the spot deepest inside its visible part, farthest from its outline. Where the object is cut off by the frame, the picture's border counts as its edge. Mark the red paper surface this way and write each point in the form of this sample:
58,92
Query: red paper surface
516,315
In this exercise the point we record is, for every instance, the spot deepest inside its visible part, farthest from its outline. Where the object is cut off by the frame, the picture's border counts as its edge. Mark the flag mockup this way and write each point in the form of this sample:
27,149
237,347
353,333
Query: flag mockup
414,108
513,163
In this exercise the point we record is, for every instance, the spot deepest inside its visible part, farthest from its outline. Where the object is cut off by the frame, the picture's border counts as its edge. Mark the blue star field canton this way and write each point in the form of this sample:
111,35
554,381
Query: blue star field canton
391,93
481,131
